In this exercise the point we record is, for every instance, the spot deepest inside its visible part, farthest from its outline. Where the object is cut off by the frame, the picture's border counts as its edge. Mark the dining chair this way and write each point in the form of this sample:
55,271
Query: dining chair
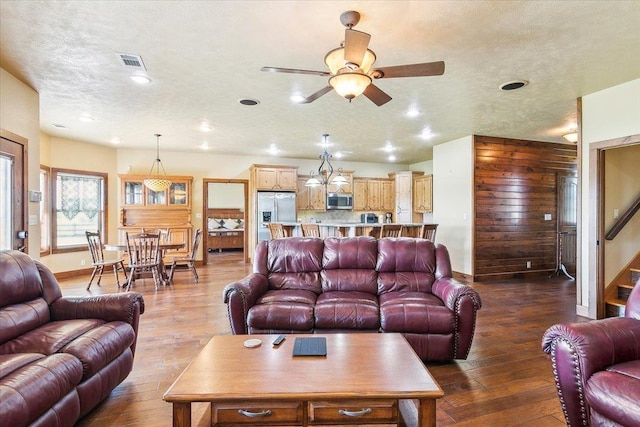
276,231
310,230
187,262
429,232
390,230
144,256
99,262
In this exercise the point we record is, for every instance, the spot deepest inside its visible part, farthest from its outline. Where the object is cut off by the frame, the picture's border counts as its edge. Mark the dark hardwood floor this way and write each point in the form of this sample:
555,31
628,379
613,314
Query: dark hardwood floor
506,380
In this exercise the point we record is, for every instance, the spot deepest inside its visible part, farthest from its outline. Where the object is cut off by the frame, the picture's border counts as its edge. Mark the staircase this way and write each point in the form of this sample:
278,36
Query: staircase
617,293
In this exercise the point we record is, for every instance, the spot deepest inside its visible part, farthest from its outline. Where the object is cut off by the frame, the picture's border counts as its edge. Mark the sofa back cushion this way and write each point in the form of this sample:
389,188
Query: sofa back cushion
22,305
405,264
349,264
295,263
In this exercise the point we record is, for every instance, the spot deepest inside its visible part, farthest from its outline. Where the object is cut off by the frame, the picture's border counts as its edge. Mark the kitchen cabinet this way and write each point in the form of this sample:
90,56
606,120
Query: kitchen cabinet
346,188
142,208
310,198
373,194
423,194
270,178
404,212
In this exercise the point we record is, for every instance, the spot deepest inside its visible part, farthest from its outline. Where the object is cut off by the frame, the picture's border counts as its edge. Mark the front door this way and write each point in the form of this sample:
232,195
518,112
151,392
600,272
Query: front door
13,168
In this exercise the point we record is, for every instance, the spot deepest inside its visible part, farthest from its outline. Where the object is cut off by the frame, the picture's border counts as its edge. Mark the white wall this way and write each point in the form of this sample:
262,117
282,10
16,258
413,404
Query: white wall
20,115
453,200
608,114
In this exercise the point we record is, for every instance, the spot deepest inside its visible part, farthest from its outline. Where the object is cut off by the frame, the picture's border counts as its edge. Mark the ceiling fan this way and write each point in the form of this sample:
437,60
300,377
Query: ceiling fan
351,72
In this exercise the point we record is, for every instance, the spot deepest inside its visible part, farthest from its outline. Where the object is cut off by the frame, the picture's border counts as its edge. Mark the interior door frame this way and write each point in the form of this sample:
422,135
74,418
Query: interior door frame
205,204
596,214
20,216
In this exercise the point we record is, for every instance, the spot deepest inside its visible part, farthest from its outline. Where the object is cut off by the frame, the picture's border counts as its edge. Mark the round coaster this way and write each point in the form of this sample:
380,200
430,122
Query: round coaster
254,342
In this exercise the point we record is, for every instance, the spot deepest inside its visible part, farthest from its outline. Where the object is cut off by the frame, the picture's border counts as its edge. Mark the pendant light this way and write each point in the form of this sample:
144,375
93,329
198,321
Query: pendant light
157,182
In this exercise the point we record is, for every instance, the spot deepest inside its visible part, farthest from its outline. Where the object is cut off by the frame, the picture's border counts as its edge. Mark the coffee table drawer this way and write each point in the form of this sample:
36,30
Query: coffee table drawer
264,413
354,411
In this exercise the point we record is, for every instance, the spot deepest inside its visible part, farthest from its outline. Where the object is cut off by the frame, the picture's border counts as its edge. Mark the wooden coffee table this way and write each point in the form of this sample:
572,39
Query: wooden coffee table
365,378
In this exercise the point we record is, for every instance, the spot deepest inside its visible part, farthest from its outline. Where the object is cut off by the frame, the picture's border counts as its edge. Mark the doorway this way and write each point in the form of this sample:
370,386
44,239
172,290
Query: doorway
13,179
225,218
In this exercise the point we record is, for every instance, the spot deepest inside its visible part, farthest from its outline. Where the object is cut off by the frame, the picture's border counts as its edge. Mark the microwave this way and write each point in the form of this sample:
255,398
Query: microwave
339,201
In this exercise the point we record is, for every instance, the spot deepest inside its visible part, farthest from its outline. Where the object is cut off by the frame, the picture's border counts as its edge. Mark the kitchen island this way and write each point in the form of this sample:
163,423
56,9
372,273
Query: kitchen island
349,229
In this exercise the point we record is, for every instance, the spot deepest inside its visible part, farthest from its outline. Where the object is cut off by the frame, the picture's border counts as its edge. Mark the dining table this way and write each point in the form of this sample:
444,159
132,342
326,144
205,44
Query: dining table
163,247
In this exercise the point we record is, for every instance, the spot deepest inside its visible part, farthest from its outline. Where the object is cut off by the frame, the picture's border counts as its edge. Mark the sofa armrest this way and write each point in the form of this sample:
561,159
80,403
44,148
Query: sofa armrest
125,307
578,350
464,302
240,296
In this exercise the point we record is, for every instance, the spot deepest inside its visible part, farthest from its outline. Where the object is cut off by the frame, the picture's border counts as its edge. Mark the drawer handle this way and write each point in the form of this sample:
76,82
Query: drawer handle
254,414
361,413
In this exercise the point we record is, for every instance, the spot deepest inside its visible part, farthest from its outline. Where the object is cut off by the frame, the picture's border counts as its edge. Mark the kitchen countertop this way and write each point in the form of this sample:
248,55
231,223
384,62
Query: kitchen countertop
339,228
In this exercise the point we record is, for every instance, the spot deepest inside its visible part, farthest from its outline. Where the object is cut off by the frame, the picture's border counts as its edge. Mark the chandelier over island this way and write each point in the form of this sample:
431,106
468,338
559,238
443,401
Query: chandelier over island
157,182
324,178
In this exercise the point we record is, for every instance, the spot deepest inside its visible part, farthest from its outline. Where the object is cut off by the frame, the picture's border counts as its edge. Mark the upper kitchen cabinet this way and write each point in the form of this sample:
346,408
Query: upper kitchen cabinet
345,188
373,194
274,178
310,198
134,192
422,194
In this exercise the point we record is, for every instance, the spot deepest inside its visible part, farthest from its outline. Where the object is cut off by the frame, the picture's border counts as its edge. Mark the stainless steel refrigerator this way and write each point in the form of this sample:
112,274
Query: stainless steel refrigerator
274,207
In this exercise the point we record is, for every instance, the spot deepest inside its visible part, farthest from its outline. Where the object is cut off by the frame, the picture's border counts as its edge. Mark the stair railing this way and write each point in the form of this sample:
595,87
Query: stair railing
624,219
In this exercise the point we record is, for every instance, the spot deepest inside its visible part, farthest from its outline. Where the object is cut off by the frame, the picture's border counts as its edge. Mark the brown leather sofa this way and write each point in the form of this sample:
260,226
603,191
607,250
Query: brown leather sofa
596,365
357,284
59,356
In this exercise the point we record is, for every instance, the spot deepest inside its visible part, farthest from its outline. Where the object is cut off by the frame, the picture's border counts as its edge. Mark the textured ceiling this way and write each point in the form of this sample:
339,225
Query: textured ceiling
202,57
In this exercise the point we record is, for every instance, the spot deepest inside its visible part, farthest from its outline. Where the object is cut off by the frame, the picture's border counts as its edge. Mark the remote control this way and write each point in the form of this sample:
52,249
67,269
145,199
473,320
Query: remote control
278,340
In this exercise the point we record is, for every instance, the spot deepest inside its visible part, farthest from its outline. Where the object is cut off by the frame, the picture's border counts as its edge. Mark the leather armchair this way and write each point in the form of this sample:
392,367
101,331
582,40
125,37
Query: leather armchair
596,366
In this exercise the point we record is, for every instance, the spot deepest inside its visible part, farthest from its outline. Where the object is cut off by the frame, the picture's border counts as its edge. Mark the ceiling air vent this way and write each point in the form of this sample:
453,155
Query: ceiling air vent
132,62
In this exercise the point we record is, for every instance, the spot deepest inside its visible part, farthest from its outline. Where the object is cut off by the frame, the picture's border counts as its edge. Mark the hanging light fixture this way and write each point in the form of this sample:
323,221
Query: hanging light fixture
157,182
349,79
571,136
324,178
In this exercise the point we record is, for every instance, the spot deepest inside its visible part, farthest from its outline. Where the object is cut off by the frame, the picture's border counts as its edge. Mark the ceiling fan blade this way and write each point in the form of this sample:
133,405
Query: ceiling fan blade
376,95
316,95
295,71
412,70
355,45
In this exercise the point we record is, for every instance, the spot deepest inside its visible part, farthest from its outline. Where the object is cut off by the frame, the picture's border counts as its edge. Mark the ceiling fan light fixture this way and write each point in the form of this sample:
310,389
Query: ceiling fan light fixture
350,84
335,60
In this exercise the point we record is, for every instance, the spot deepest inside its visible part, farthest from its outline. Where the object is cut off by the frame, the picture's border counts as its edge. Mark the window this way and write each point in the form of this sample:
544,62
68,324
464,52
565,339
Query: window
45,210
78,205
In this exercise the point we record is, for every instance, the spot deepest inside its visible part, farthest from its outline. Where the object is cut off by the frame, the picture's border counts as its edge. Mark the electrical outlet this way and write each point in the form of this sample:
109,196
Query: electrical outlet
547,217
528,264
82,263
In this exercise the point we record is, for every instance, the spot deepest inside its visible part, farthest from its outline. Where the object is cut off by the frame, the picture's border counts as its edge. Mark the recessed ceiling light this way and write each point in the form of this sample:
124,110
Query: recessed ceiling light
516,84
296,98
426,133
86,118
273,149
140,79
204,127
205,145
388,148
115,140
392,158
413,112
248,101
338,155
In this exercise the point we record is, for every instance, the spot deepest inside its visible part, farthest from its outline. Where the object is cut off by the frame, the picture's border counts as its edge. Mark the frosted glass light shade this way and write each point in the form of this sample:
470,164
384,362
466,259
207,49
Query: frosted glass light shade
335,60
350,84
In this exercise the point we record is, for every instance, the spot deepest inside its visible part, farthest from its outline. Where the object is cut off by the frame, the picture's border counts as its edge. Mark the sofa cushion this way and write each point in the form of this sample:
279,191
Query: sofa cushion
615,393
20,318
29,391
280,316
295,263
99,346
415,312
290,295
347,310
405,264
51,337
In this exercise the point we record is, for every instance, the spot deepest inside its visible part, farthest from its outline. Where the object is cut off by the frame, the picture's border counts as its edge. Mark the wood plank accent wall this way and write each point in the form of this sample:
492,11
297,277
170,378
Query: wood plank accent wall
515,184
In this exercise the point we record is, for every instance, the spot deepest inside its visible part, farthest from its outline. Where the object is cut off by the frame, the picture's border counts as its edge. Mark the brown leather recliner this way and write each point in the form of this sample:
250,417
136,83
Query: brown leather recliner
596,365
59,356
357,284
